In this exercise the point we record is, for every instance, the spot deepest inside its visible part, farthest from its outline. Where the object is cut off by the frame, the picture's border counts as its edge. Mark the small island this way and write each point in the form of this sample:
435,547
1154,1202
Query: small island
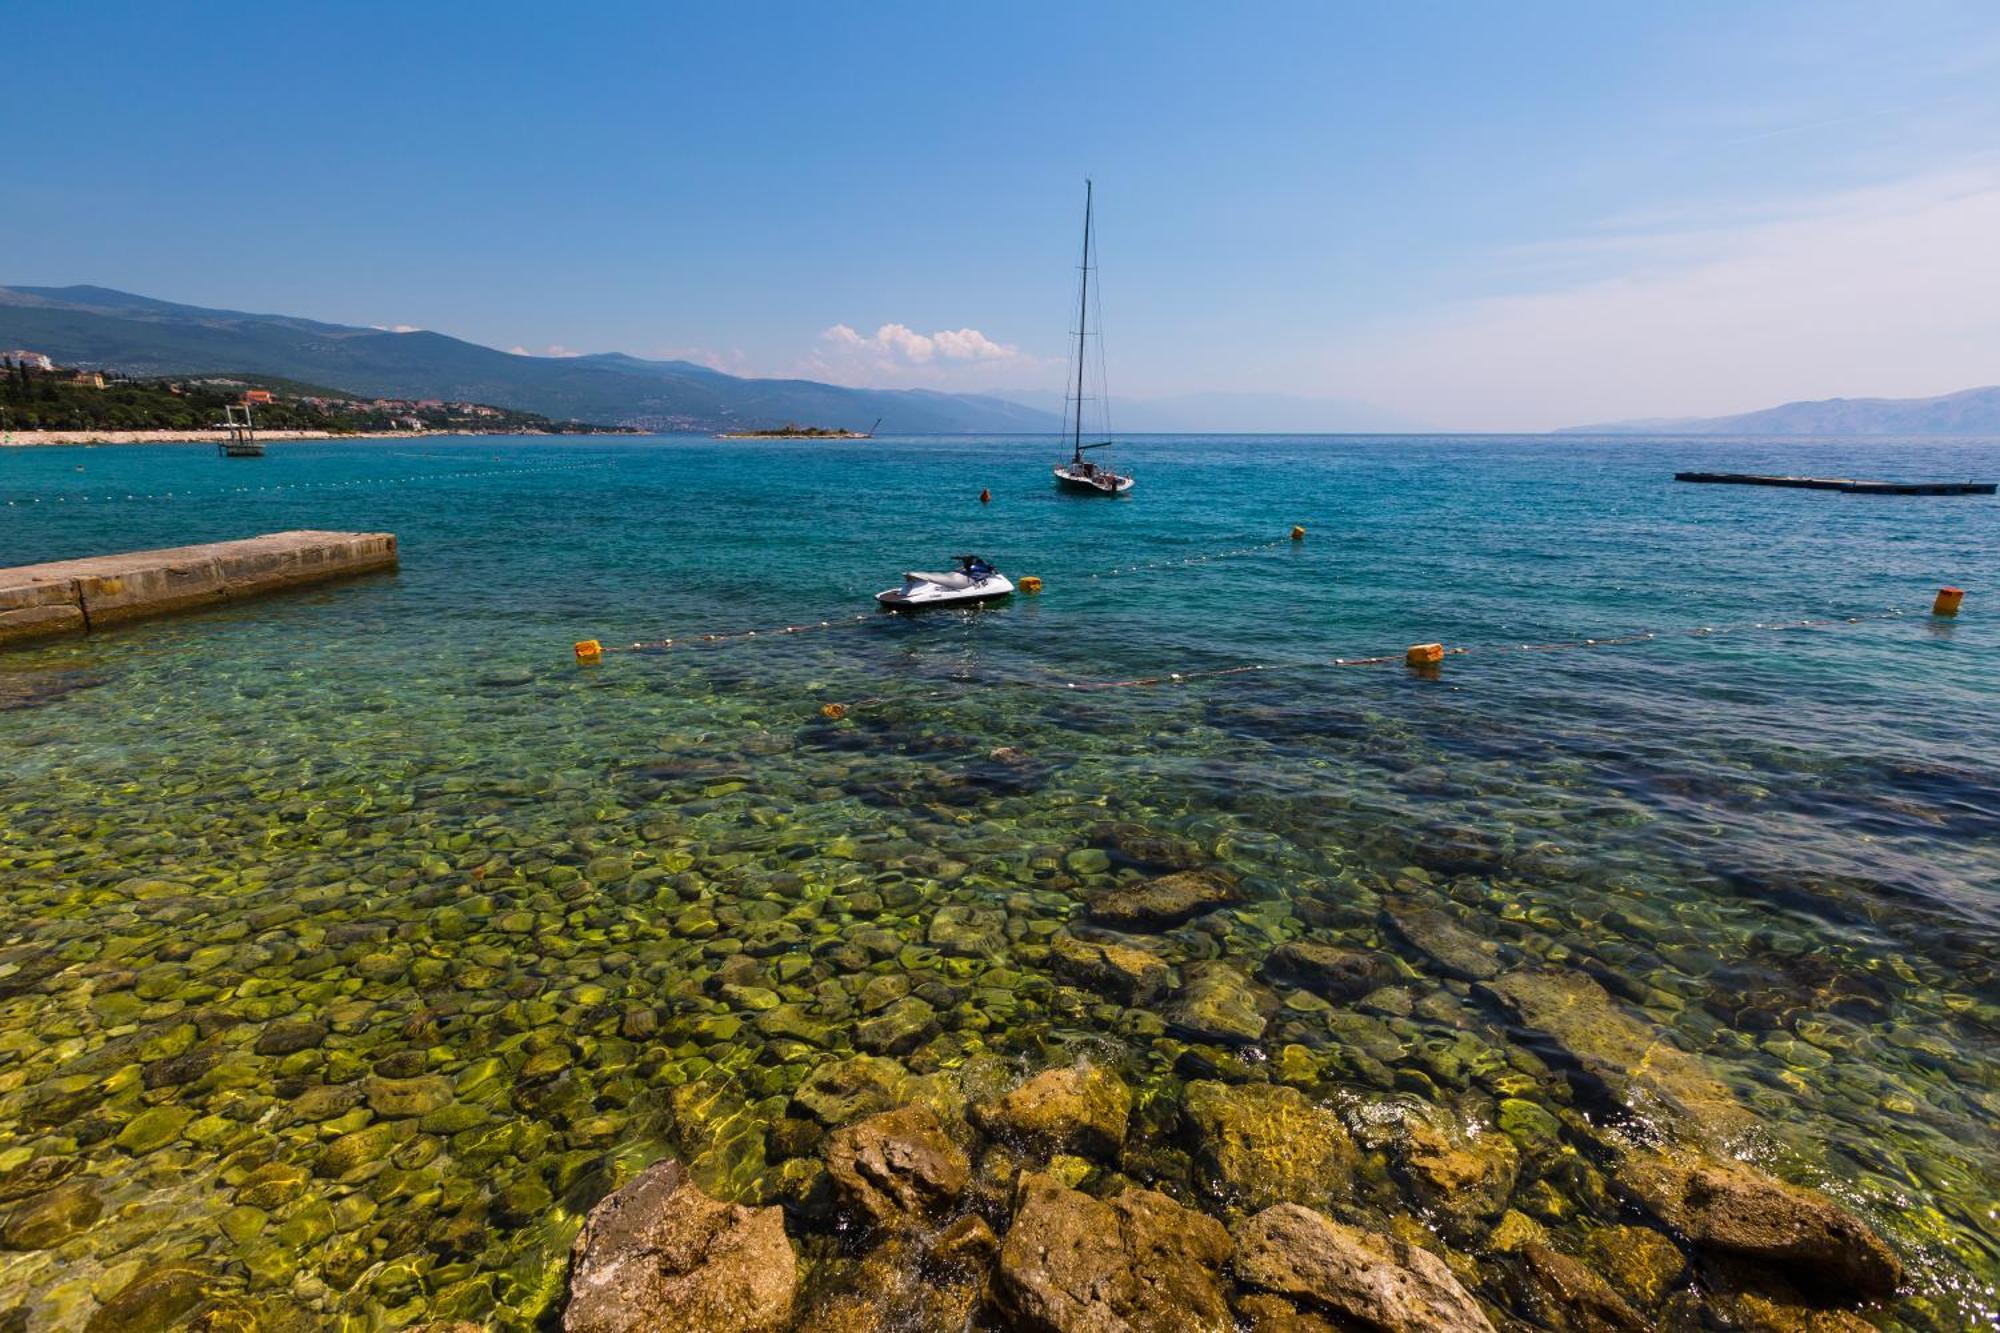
791,430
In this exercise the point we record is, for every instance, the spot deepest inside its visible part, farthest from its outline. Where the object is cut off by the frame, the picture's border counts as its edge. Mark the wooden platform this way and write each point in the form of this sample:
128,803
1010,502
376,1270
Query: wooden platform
74,596
1845,484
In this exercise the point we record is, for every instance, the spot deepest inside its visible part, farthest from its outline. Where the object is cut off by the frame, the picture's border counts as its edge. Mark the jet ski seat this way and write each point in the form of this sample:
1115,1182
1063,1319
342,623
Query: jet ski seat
952,580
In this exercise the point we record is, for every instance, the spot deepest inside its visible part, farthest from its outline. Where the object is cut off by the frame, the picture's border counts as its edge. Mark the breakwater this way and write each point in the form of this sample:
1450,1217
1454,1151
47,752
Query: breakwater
72,596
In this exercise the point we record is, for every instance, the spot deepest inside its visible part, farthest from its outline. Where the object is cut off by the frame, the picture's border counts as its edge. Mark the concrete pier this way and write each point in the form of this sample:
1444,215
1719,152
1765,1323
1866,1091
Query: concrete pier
73,596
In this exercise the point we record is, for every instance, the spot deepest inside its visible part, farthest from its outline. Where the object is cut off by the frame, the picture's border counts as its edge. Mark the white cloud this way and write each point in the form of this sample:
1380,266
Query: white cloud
553,349
896,354
398,328
1890,291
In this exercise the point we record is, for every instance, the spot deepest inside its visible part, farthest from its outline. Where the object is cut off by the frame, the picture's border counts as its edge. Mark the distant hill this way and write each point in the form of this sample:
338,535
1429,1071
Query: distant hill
1967,412
98,327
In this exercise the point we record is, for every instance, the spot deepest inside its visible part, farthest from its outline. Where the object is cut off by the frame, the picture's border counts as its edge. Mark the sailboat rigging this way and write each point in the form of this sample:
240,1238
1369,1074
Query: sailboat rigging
1080,474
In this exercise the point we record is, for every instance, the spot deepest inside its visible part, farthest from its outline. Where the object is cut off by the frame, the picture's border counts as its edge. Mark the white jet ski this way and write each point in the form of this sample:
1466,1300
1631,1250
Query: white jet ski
974,580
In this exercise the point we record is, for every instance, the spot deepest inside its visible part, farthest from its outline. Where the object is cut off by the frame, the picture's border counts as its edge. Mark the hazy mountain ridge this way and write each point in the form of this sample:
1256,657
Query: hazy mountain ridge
1967,412
99,327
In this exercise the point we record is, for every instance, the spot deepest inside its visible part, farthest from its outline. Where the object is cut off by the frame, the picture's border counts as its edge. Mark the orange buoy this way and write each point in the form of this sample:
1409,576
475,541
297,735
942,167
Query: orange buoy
590,650
1947,601
1424,654
986,497
834,711
1031,583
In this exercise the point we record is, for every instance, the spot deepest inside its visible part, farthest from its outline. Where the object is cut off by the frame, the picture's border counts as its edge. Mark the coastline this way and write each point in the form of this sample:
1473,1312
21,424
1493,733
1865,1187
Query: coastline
30,439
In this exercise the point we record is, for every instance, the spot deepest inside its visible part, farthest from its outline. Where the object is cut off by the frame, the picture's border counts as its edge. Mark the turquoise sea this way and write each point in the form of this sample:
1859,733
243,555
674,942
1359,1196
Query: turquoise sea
398,816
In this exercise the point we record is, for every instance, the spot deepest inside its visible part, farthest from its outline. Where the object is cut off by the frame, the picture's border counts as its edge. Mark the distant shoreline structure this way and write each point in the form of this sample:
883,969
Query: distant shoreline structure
791,430
36,439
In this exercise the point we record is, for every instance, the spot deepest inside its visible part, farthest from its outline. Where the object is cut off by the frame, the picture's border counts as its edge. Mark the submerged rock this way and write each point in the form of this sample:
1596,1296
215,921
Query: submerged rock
1559,1293
1448,947
1080,1109
1138,1261
660,1255
1126,974
1640,1262
897,1168
840,1091
46,1220
1378,1282
1167,900
1461,1174
1218,1003
1628,1058
1327,969
899,1029
1257,1144
1733,1209
158,1298
972,932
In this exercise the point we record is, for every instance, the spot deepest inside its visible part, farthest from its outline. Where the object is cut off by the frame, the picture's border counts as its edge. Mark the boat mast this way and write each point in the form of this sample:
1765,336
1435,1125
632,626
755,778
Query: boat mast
1082,321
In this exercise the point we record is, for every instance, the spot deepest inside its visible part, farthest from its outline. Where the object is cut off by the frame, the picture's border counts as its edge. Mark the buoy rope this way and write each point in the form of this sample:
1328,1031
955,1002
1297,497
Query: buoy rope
1231,554
307,485
839,710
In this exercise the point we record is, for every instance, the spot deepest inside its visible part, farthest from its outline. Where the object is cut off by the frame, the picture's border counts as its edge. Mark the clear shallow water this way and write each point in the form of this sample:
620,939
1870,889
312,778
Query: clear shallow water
1781,848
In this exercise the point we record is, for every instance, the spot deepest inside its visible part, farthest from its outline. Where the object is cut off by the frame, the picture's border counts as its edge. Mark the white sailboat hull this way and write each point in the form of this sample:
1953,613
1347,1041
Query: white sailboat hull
1096,481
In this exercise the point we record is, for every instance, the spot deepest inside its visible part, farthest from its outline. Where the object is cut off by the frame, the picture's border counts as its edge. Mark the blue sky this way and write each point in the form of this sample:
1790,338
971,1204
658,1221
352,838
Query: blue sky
1468,215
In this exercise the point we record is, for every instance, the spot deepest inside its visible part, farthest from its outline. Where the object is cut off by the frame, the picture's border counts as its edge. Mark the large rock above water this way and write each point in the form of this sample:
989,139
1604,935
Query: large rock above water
1377,1282
661,1256
898,1168
1730,1208
1258,1144
1137,1263
1079,1109
1629,1058
1165,901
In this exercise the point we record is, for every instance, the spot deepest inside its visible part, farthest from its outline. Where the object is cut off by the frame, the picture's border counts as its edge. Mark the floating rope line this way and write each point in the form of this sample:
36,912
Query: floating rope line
840,710
1123,570
662,645
307,485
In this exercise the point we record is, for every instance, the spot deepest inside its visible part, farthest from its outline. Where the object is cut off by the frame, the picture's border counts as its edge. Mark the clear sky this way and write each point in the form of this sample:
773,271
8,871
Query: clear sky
1475,216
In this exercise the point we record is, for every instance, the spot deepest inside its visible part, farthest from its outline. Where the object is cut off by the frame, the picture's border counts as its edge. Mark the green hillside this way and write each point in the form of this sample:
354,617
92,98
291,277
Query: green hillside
137,335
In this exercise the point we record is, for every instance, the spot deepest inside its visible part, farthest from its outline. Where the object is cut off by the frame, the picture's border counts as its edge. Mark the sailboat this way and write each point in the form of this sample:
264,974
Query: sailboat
1079,473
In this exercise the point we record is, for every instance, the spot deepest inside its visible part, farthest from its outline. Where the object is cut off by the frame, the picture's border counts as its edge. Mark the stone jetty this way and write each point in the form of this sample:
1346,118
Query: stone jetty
73,596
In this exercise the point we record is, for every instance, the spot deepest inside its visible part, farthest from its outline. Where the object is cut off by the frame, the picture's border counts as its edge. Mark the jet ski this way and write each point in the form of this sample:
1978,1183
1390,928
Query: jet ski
975,580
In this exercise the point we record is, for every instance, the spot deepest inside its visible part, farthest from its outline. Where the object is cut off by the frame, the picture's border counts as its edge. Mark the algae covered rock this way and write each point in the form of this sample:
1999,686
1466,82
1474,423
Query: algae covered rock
899,1029
1258,1144
158,1298
1218,1003
1126,974
1079,1109
661,1256
839,1091
1138,1261
1640,1262
1734,1209
45,1220
969,931
897,1168
1165,901
1378,1282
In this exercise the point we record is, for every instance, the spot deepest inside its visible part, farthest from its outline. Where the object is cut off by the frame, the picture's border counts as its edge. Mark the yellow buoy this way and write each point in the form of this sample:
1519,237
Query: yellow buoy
1031,583
1298,532
1947,601
834,711
1424,654
590,650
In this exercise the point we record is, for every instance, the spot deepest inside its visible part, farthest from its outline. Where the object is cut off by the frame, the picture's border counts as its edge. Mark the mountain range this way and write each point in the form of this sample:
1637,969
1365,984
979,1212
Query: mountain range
138,335
1967,412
